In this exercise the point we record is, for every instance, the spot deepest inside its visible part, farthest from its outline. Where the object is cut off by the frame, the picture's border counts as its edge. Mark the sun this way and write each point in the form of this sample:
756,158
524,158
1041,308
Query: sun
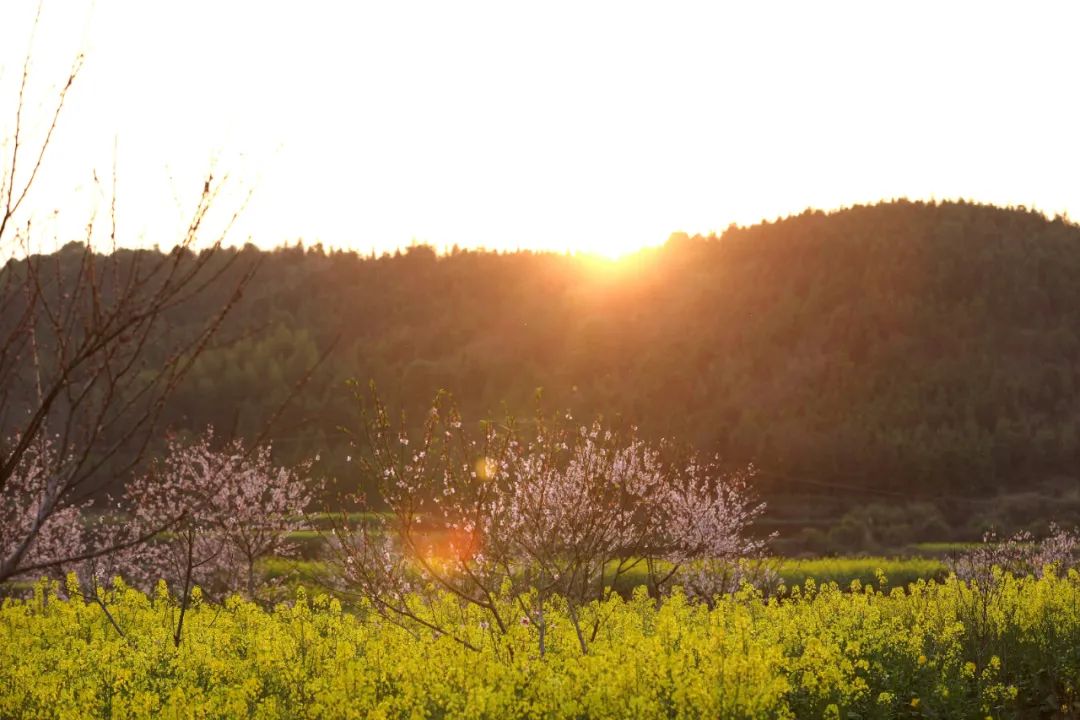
614,250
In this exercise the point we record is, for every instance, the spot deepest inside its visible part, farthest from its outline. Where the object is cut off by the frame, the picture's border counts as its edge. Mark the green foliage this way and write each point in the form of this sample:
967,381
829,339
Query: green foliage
938,650
919,349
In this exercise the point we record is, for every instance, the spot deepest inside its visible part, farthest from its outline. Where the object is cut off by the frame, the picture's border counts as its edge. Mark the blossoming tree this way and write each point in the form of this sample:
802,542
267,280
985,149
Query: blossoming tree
510,522
238,508
32,529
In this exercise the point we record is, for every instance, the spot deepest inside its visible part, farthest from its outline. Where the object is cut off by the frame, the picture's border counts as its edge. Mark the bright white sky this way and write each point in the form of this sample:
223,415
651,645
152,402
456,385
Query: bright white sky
580,125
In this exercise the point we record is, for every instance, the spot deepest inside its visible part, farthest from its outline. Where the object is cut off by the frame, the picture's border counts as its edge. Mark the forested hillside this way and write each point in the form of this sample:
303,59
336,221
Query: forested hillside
904,351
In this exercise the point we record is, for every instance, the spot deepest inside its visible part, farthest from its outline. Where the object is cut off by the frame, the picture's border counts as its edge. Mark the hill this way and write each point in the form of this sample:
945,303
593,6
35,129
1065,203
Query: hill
907,352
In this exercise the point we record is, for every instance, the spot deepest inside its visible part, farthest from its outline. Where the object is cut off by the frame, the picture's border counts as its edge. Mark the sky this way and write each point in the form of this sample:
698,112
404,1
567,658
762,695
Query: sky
577,126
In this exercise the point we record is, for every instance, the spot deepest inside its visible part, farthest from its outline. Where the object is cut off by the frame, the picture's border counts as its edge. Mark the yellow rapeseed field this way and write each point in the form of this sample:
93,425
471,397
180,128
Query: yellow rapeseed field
935,650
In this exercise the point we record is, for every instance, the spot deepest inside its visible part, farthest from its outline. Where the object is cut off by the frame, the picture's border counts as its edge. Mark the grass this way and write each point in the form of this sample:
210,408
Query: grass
898,572
937,549
312,574
327,519
276,567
